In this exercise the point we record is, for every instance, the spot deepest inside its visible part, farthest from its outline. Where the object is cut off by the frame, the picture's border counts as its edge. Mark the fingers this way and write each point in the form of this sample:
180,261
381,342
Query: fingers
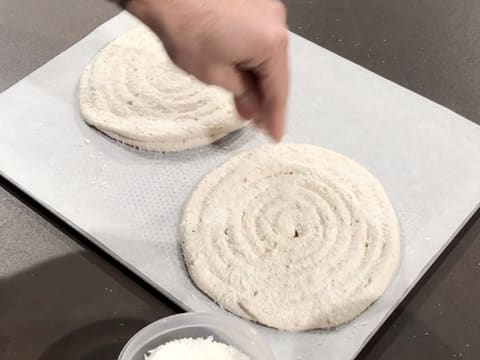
242,84
263,96
248,104
274,83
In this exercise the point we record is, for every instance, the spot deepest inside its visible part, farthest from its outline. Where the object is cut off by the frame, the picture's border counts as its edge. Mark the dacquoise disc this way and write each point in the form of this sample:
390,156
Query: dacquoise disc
292,236
134,93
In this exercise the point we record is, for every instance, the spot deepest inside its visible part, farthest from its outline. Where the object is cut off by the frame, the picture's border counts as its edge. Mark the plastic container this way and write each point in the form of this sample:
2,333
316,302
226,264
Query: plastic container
227,330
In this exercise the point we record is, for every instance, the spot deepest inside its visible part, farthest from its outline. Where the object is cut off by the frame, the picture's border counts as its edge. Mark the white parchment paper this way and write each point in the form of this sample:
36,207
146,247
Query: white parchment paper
129,203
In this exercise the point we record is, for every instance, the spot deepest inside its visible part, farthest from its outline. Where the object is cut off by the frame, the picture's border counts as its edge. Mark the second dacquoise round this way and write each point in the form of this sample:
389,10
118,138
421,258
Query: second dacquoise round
291,236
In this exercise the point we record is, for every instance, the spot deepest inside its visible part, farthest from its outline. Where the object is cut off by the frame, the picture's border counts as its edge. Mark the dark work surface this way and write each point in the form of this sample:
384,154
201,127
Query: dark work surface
62,299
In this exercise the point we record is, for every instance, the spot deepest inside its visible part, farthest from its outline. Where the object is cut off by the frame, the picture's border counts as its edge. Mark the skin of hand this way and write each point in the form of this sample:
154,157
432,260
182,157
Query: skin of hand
240,45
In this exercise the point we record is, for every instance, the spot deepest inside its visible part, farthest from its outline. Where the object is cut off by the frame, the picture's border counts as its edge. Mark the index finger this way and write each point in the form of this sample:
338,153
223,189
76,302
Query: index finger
274,83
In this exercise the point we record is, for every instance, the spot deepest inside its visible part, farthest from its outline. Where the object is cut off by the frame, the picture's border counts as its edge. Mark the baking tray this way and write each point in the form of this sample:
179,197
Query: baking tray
129,203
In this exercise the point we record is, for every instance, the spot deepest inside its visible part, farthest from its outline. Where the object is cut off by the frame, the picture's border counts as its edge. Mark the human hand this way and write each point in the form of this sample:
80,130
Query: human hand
240,45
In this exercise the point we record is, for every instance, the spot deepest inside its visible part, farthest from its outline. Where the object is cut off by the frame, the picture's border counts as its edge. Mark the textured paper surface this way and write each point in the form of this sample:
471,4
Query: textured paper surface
129,203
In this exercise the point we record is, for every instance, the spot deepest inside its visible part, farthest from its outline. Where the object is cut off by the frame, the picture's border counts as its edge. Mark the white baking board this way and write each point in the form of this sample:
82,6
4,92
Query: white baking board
129,203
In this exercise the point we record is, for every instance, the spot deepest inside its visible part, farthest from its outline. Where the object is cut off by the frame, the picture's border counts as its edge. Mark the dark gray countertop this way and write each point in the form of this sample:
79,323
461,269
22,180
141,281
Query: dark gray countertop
60,298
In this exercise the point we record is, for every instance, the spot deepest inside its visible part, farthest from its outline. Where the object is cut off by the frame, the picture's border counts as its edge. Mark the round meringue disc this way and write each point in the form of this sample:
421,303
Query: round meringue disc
134,93
292,236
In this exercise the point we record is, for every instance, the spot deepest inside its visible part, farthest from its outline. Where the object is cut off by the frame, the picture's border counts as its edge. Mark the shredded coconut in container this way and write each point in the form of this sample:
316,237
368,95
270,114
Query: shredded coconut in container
195,349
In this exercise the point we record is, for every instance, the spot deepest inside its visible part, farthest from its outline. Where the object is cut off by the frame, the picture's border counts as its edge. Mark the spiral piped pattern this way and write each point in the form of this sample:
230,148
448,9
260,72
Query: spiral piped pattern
134,93
292,236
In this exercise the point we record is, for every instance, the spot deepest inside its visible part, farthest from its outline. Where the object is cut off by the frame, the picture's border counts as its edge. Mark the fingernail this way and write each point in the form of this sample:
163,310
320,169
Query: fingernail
276,133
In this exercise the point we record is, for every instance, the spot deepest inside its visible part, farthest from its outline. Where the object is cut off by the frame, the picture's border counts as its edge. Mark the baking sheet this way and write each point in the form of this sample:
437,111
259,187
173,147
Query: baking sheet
129,202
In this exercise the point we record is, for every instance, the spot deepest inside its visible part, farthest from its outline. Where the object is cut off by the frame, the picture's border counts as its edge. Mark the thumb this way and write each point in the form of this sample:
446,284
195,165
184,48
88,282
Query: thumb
248,103
243,86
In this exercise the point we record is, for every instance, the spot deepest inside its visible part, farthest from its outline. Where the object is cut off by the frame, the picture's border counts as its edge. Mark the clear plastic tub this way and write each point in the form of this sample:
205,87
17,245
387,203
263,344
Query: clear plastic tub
227,330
